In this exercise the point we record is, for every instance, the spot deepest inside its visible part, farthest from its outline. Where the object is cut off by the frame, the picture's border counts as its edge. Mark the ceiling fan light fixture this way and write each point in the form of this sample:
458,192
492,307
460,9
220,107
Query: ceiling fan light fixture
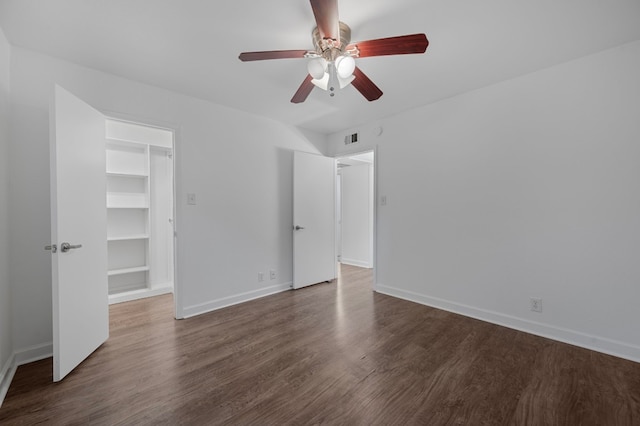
322,82
344,82
317,68
345,66
332,60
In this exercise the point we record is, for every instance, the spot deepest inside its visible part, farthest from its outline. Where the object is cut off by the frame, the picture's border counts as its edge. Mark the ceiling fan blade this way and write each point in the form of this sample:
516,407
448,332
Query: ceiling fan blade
365,86
272,54
400,45
303,91
326,13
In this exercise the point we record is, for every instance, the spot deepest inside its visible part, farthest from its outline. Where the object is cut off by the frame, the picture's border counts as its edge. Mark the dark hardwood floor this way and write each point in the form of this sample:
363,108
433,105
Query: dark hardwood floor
329,354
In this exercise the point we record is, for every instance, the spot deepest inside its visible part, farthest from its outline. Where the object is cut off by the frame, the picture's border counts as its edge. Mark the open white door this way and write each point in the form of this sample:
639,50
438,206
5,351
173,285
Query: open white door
314,197
78,231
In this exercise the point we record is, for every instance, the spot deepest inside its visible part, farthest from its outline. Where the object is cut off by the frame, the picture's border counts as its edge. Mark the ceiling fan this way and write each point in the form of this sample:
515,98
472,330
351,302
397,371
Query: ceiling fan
333,61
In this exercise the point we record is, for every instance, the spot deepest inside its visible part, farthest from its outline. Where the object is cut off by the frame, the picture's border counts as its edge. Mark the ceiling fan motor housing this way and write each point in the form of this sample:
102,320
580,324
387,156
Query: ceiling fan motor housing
330,48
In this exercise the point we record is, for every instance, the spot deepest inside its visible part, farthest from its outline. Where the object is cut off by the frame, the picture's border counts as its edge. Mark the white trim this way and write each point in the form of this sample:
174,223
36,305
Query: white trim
202,308
6,375
374,260
355,262
176,128
25,356
561,334
178,309
34,353
128,296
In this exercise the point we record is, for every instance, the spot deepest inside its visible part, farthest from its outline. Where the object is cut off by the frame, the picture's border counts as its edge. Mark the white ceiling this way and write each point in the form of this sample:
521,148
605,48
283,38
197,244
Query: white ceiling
192,46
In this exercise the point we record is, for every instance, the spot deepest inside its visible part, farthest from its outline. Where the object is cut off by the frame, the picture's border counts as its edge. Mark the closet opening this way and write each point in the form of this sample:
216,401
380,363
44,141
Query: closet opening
140,210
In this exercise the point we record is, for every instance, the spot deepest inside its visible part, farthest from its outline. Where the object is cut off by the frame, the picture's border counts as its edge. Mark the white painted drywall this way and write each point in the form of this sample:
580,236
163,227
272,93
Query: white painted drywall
527,188
238,165
6,347
357,215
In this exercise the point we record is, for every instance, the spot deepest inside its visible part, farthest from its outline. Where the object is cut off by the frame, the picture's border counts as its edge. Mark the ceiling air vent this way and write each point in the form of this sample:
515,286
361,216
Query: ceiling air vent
352,138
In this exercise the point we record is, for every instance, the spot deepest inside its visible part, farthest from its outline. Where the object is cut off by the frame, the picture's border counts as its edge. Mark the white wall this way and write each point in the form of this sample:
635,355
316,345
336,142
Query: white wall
239,166
6,348
357,215
528,188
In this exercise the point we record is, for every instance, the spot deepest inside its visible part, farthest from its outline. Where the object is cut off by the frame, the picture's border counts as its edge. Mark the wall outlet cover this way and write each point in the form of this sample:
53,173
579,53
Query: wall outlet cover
535,304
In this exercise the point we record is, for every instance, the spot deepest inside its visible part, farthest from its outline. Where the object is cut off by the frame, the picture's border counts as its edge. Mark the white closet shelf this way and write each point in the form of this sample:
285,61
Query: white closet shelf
124,142
114,206
129,237
122,271
128,175
127,200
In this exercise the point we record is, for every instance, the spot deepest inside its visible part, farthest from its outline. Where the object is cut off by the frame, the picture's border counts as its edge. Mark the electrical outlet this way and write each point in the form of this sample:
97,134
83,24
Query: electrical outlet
272,274
260,276
191,199
536,304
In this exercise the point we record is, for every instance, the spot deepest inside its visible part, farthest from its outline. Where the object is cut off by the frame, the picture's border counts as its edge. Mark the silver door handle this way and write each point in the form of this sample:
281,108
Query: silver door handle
52,247
65,247
298,227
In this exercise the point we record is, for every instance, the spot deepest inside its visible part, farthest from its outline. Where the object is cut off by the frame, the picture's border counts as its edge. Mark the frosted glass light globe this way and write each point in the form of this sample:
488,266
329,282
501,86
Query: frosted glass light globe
345,65
317,67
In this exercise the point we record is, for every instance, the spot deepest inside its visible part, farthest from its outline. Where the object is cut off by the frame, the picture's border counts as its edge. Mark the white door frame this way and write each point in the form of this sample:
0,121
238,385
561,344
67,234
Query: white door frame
175,128
374,150
338,215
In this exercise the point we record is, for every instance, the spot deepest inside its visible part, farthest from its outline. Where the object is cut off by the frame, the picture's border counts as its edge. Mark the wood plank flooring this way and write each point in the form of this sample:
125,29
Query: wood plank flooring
332,353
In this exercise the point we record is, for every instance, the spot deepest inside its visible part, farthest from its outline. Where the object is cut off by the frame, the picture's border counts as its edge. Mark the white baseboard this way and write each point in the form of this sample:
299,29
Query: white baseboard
356,262
25,356
6,375
128,296
202,308
34,353
572,337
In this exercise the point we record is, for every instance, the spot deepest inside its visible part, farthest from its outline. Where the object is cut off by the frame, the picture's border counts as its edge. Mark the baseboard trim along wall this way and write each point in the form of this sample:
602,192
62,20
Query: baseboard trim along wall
138,294
25,356
572,337
203,308
34,353
355,262
6,375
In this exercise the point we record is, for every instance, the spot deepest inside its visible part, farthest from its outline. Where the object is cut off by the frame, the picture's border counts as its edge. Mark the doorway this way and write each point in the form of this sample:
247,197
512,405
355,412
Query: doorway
140,210
355,209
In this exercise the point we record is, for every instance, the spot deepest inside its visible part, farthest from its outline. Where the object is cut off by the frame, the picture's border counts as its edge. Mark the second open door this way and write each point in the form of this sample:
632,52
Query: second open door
314,257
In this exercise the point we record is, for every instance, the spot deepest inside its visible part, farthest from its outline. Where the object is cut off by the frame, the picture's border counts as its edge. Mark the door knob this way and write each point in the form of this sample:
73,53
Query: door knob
65,247
298,227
